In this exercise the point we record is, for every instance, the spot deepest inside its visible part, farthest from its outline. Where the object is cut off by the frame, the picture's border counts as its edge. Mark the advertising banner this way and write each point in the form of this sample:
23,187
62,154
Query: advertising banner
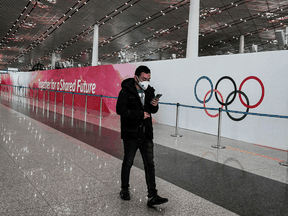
102,80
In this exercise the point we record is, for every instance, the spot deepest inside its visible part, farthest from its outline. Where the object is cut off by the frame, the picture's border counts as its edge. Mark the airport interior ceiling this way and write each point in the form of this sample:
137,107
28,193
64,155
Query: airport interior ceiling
131,30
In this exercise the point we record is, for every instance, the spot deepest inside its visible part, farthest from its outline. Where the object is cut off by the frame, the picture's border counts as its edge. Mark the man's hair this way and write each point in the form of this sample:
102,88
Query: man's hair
141,69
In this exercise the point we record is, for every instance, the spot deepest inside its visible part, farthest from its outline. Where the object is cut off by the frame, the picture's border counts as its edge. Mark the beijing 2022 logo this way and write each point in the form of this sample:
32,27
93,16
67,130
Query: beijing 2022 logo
234,93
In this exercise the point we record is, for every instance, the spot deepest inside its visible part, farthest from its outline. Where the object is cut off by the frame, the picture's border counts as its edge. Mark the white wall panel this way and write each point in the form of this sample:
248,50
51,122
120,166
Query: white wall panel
176,79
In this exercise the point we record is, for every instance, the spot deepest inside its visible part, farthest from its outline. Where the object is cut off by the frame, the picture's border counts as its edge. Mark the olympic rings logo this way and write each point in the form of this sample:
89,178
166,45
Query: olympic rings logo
234,93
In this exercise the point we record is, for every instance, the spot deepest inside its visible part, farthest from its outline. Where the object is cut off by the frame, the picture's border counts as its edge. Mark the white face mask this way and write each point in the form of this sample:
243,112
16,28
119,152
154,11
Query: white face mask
144,84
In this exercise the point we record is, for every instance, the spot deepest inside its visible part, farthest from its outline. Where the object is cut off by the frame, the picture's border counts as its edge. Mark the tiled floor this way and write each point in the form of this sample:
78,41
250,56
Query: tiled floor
53,165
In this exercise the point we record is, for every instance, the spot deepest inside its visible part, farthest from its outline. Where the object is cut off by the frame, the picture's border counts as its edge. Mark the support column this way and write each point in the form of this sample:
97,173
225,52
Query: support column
95,46
193,30
53,60
241,46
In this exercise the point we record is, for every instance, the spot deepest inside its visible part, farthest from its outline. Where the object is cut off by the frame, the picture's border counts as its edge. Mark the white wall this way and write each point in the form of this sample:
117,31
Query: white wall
176,79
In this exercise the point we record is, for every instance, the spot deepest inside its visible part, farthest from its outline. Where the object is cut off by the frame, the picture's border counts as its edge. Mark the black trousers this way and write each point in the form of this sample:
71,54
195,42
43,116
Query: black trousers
146,149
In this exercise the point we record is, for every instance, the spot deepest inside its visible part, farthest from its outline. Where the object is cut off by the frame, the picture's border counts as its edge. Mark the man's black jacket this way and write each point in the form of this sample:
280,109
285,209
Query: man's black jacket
130,108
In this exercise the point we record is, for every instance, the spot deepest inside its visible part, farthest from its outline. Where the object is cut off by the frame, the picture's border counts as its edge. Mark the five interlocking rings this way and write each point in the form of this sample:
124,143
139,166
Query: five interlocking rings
234,93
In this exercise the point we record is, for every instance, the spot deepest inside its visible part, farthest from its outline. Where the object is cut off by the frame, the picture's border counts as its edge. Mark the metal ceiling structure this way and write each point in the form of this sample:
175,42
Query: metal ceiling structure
144,30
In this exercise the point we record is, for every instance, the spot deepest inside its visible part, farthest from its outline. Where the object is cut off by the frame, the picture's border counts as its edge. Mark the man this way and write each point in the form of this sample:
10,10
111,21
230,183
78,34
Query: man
135,104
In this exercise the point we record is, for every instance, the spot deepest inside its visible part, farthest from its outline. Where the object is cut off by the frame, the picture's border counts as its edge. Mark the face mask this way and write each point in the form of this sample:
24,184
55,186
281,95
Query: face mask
144,84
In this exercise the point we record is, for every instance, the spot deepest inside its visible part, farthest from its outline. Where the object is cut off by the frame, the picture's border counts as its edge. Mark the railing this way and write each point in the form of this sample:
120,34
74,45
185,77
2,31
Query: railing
220,110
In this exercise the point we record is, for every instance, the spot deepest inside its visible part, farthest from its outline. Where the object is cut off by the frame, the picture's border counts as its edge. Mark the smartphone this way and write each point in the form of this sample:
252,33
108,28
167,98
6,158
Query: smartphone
157,96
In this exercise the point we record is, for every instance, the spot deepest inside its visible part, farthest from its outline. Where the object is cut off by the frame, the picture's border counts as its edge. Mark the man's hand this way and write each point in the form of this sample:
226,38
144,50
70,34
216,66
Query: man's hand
146,115
154,102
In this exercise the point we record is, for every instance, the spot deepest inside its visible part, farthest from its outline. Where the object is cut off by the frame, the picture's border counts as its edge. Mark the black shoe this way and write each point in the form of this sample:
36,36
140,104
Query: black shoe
125,194
156,200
